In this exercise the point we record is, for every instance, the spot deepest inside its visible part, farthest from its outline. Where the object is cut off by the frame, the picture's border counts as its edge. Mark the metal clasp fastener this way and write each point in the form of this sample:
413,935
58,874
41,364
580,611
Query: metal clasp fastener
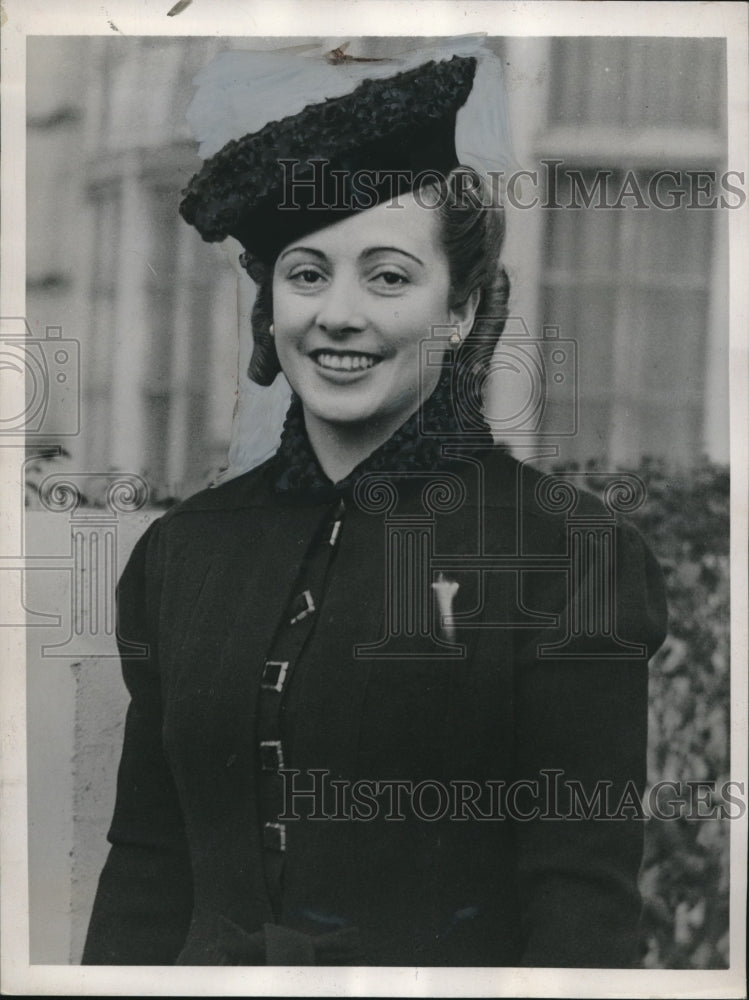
309,607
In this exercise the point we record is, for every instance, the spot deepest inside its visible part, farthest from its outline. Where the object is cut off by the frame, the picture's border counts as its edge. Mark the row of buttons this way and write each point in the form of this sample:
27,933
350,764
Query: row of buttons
275,674
271,751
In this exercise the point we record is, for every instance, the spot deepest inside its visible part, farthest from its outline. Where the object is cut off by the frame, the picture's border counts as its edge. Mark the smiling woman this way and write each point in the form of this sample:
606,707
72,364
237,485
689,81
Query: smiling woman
383,665
351,307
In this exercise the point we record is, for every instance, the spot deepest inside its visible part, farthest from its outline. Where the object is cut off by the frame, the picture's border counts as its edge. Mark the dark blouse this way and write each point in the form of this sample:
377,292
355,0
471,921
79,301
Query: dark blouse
319,767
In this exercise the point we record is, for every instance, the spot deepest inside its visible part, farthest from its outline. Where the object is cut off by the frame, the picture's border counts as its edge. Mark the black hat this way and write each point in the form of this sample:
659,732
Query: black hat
333,158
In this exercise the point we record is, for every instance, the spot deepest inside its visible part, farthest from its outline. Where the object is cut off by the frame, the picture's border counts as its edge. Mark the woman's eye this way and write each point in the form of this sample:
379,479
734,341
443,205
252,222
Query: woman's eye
391,278
306,276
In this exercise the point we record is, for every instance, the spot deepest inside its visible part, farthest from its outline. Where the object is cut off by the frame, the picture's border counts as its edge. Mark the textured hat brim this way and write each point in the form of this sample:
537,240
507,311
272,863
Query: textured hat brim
362,148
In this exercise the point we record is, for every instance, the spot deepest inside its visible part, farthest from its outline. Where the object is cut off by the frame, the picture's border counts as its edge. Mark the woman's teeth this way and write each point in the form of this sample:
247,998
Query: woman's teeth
345,362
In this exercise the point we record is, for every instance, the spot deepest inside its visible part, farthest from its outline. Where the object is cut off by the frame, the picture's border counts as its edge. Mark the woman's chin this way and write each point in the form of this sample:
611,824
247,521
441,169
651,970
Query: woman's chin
341,399
362,412
344,415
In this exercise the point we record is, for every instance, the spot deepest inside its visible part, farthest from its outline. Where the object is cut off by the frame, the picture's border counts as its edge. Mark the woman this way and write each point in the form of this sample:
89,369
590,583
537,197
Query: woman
367,706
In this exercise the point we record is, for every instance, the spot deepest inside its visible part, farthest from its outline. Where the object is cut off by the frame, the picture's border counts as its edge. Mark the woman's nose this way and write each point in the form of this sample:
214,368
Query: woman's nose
339,308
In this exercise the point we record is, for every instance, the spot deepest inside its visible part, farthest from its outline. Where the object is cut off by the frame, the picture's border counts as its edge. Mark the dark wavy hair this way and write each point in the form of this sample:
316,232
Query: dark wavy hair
472,230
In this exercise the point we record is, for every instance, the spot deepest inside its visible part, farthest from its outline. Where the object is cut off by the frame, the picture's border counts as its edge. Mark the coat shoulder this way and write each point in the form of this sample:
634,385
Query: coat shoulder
534,498
251,489
551,514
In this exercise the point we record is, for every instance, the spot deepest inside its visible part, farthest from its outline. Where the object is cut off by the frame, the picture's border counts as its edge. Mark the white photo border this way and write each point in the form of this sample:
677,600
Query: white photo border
23,18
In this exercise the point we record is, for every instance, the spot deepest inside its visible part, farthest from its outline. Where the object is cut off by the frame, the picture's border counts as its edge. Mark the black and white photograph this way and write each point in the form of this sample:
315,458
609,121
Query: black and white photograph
373,434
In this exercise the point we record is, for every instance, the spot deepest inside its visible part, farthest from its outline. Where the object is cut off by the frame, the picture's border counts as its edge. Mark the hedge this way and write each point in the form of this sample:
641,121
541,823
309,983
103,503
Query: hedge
685,873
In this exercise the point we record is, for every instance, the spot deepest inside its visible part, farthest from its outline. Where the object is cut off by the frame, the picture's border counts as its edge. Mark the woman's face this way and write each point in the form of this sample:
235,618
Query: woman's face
351,304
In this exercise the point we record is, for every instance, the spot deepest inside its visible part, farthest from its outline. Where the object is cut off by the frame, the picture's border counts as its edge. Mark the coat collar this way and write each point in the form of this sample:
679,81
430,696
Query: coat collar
419,444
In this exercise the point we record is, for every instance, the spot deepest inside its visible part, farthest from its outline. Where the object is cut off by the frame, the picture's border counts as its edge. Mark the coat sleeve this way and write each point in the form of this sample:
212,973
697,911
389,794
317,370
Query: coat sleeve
144,899
582,726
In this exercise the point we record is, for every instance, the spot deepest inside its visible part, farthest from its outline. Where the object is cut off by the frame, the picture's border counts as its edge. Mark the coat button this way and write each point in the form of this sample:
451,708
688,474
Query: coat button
274,836
271,755
302,606
274,674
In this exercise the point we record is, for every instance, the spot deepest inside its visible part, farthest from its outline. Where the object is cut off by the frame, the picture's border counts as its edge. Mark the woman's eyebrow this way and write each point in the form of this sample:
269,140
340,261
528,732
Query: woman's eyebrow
371,251
316,253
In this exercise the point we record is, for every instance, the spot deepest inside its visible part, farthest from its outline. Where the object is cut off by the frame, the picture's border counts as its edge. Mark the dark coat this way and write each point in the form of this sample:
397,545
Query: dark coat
206,588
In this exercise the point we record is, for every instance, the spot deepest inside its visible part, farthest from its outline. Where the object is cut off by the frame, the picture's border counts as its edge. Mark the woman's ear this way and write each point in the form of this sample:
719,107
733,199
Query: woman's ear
464,314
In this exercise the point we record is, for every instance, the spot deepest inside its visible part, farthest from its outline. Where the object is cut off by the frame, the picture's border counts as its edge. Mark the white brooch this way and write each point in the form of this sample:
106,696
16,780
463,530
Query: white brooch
445,591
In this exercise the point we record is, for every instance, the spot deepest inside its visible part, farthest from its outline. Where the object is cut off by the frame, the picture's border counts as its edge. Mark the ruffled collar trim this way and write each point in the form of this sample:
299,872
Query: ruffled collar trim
417,445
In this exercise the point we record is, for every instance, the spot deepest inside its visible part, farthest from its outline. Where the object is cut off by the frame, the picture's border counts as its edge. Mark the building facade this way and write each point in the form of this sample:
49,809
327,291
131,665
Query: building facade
613,246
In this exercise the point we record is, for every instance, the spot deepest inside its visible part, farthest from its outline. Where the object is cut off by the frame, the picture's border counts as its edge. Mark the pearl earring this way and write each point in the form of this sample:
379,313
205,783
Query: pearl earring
455,338
272,330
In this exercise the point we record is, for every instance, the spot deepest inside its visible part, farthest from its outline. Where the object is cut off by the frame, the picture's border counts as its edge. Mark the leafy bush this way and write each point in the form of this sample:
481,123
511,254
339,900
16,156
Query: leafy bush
685,873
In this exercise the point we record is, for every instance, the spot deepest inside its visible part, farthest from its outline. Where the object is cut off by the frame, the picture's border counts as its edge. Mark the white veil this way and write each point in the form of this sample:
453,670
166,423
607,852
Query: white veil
240,91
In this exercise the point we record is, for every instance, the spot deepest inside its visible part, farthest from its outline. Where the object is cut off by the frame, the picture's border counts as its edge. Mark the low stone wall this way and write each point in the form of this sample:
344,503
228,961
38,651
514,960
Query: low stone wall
75,714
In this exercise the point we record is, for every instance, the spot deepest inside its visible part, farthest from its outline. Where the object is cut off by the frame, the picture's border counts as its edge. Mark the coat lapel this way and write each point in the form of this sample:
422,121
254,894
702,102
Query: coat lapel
279,541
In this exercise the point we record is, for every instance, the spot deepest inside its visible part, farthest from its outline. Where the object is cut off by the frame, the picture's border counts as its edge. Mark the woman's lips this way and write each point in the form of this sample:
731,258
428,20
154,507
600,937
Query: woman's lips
344,361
